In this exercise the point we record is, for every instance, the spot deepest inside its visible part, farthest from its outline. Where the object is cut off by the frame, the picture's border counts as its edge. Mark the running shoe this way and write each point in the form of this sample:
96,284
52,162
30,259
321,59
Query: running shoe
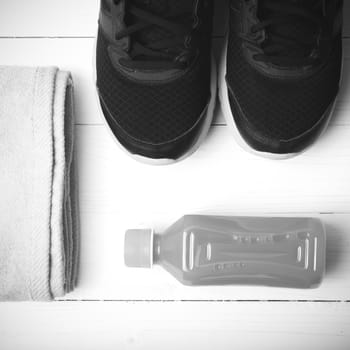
280,72
155,77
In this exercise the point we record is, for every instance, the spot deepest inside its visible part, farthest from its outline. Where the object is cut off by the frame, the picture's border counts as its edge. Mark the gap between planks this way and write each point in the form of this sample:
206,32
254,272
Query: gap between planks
140,301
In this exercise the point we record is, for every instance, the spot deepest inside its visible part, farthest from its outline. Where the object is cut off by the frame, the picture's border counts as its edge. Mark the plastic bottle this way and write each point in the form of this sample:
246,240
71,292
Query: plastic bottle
214,250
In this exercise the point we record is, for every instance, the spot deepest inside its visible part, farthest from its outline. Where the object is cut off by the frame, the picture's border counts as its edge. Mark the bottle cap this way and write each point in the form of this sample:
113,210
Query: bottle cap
138,248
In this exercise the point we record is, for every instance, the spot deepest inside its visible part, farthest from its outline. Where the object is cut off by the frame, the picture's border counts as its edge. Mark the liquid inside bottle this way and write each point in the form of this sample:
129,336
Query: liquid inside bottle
214,250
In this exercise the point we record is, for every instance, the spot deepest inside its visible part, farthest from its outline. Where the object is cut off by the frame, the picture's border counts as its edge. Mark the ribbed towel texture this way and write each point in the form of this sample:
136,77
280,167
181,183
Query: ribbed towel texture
38,202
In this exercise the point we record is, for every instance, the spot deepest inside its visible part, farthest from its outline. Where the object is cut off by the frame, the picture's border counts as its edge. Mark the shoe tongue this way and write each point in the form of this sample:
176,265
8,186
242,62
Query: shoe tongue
300,29
165,6
179,11
155,6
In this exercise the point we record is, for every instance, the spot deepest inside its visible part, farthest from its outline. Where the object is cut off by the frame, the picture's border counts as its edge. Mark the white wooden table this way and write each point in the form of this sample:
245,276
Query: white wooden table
119,308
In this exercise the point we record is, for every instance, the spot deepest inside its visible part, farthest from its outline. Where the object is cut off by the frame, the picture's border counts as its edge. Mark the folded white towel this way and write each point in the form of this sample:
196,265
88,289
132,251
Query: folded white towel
38,206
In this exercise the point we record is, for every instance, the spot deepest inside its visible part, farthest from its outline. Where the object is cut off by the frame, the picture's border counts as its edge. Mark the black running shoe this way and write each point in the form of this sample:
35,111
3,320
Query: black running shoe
155,76
281,72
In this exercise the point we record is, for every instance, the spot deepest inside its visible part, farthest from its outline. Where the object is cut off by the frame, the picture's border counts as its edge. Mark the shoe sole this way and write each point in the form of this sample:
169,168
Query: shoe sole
230,121
164,161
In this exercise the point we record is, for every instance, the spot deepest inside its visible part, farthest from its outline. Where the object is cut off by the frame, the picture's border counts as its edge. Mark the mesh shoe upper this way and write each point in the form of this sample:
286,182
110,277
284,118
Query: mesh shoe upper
156,111
153,112
278,108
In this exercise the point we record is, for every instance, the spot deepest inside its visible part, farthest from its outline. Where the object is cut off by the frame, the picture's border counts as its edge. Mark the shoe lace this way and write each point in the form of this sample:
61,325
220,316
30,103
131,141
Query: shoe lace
159,39
292,31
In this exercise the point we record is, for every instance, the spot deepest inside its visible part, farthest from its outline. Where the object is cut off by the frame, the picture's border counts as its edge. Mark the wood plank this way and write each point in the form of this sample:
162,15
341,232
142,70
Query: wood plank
79,18
64,18
220,174
76,55
43,18
133,194
226,326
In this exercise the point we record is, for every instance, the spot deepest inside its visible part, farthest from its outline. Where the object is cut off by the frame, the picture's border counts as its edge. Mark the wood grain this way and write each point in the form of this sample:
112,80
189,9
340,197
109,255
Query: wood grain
158,326
78,18
117,193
